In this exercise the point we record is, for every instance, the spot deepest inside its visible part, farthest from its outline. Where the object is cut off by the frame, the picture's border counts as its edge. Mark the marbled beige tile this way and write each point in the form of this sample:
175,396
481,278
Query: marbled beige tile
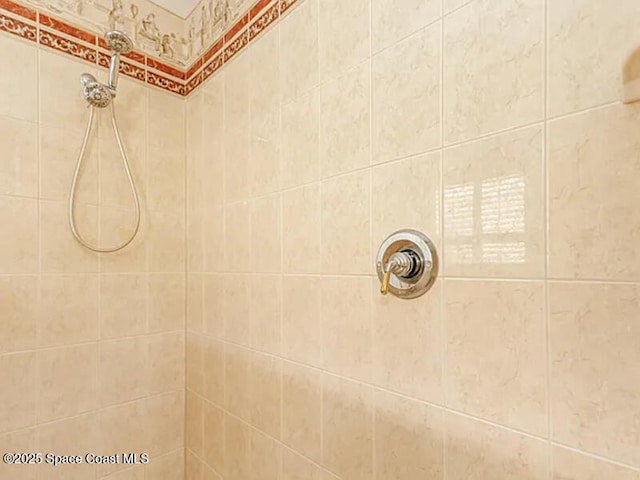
406,194
195,302
266,457
302,410
300,161
406,96
594,227
266,385
123,305
450,5
68,310
237,449
237,393
345,117
266,234
166,191
19,78
266,313
393,20
494,206
214,305
299,50
67,381
301,319
194,467
479,451
213,224
409,439
213,436
237,158
236,93
166,302
116,228
496,352
346,219
347,421
236,305
213,358
589,41
122,370
264,79
163,423
194,423
19,167
265,152
237,237
344,34
19,307
296,467
301,230
166,362
123,428
19,246
347,326
59,149
571,465
594,357
407,343
166,467
493,67
166,249
18,406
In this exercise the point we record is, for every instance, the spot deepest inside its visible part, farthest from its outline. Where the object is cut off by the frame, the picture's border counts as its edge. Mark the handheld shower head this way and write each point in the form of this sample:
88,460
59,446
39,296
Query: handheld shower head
118,42
97,94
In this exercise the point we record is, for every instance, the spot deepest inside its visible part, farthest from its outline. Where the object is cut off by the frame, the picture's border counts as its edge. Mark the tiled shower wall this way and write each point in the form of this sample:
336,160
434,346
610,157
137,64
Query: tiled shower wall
494,127
91,347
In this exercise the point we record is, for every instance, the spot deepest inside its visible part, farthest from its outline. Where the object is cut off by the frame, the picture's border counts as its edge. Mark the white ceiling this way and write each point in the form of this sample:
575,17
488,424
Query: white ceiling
180,7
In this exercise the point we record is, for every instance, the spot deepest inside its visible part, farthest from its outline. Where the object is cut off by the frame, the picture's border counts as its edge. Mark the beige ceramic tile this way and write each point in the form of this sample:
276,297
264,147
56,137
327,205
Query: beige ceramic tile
407,343
494,219
195,302
19,247
18,375
301,320
213,370
237,237
393,20
166,245
237,449
19,307
116,228
479,451
571,465
299,50
194,467
60,96
165,120
194,363
406,96
78,436
19,168
164,422
165,185
266,385
450,5
346,326
236,93
213,439
495,352
493,68
300,140
409,439
236,306
236,168
19,80
589,41
166,362
301,230
122,370
59,149
214,238
345,117
68,310
123,429
61,394
214,302
593,233
123,305
295,467
266,234
344,34
264,80
346,238
237,392
194,423
22,441
406,194
264,164
166,302
347,414
166,467
594,355
266,456
302,410
266,313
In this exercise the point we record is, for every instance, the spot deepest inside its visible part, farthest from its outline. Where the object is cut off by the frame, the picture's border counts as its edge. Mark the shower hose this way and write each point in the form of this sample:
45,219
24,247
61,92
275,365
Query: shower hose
74,184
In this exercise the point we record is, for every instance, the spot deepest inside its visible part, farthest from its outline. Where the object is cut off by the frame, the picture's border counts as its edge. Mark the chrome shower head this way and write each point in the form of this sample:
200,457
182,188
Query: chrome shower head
97,94
118,42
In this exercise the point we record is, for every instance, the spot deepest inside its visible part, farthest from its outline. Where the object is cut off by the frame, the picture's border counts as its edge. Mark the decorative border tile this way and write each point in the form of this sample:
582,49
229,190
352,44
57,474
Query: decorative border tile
63,37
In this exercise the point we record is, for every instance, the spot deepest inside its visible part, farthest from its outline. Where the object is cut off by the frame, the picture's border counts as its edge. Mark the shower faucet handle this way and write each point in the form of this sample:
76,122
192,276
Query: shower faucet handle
401,264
